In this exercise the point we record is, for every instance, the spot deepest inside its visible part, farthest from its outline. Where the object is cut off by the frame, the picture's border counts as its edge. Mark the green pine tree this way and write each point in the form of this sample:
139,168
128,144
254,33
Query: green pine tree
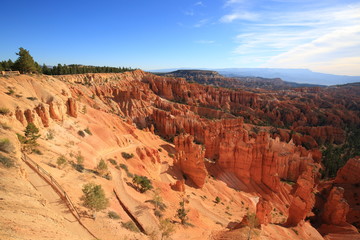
25,63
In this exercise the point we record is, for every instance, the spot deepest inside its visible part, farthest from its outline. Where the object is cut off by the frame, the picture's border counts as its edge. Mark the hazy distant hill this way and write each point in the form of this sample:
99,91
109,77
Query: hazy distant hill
289,75
215,79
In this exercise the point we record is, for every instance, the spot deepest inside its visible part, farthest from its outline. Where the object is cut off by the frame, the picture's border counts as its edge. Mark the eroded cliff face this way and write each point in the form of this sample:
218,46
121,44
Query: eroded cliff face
336,207
348,178
350,173
190,158
304,196
215,126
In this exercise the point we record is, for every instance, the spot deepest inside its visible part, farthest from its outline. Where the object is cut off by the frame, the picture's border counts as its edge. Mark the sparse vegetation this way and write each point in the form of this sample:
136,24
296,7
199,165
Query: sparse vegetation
335,156
6,161
4,111
113,215
142,183
127,155
181,213
102,167
5,126
50,134
32,98
287,181
37,151
130,225
81,133
295,231
84,110
94,197
79,165
31,135
6,146
61,161
158,203
10,91
87,130
217,200
166,228
123,166
253,223
112,161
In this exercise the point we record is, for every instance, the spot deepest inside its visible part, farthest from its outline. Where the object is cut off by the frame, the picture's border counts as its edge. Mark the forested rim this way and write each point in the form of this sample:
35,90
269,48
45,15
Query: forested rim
26,64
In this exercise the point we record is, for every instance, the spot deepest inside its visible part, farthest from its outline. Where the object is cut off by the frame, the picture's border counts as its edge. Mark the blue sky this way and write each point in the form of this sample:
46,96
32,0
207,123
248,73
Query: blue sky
322,35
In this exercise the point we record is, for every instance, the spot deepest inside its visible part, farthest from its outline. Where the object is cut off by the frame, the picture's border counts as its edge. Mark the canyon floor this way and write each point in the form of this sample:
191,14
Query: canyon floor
245,163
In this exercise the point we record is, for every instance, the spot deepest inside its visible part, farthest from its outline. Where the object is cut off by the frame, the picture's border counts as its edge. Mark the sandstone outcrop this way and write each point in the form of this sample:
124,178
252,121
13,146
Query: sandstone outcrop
190,159
263,211
41,112
304,198
350,173
336,207
71,107
29,116
20,116
179,185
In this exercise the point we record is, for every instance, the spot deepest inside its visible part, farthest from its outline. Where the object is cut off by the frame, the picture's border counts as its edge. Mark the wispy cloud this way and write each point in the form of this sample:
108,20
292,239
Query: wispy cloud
199,3
205,41
201,23
231,2
321,38
248,16
337,52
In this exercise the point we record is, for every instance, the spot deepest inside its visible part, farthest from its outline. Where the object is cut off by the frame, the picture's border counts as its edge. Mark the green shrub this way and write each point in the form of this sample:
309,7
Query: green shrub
130,225
81,133
181,212
123,166
217,200
94,197
295,231
112,161
79,158
79,167
50,135
5,126
158,213
142,183
4,111
166,228
6,146
102,166
87,130
171,155
61,161
37,151
32,98
31,135
7,162
10,91
127,155
113,215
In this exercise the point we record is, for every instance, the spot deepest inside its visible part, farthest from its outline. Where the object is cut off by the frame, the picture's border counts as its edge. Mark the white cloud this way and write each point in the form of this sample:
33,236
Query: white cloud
231,2
248,16
337,52
205,41
325,39
201,23
199,3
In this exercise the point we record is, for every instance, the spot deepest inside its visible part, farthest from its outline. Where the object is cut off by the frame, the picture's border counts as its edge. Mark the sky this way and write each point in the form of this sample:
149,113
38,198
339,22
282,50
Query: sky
320,35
